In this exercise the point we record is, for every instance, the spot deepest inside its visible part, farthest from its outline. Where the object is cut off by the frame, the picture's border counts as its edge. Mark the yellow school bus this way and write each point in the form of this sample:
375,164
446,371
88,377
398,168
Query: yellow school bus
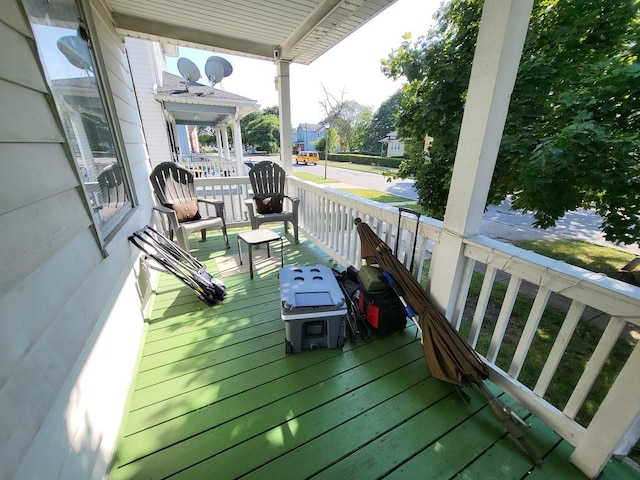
307,157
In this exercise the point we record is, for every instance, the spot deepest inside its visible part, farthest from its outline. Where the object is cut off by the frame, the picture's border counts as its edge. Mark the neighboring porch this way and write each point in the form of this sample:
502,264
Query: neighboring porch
215,396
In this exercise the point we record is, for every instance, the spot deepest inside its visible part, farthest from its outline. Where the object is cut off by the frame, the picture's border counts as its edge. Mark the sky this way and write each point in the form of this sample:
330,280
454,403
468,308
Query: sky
352,66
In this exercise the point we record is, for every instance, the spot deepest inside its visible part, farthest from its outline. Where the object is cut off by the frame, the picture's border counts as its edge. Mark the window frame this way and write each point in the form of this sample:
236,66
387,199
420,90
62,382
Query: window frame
104,230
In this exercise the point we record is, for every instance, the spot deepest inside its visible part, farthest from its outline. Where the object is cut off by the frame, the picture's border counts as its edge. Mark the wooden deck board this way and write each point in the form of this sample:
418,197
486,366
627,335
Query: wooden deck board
216,396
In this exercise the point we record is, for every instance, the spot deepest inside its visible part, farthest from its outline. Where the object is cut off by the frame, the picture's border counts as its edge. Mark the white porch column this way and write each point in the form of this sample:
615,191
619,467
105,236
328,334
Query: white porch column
503,28
284,104
225,142
219,143
237,145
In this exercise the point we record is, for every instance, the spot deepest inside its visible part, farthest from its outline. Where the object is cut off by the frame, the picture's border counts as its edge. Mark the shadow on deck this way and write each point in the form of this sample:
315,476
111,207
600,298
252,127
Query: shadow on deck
216,397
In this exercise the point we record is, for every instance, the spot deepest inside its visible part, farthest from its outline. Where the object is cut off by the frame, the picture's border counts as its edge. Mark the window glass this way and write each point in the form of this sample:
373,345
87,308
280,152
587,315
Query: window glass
68,62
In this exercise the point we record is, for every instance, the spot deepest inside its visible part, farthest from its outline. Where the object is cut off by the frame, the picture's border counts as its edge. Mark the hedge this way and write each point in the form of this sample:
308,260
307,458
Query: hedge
392,162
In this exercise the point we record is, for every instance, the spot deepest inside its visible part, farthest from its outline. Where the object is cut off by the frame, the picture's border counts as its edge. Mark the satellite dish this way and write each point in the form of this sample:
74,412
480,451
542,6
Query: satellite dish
214,70
76,51
188,70
228,69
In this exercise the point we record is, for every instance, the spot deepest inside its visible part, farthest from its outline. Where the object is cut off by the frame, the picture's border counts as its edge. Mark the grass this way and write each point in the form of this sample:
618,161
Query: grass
310,177
376,195
358,167
360,192
595,258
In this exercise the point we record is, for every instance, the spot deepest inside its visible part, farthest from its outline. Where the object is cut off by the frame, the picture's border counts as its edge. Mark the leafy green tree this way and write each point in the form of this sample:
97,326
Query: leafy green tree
206,136
572,133
274,110
244,121
382,122
321,143
264,133
351,125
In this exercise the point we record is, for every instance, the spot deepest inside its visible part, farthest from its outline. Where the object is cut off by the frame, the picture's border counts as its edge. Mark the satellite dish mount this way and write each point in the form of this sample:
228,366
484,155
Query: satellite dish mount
189,71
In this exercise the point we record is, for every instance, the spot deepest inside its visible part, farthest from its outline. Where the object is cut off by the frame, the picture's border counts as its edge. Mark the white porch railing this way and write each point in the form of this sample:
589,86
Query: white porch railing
209,165
326,217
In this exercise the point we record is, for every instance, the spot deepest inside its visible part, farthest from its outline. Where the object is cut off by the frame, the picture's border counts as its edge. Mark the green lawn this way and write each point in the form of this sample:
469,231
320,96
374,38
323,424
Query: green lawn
589,256
374,195
367,193
310,177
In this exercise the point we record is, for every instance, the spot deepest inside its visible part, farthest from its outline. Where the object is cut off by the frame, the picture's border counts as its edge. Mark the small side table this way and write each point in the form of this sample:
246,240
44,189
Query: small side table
258,237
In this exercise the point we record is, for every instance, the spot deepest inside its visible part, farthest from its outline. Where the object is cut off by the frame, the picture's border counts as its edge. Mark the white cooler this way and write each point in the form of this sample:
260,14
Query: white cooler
313,308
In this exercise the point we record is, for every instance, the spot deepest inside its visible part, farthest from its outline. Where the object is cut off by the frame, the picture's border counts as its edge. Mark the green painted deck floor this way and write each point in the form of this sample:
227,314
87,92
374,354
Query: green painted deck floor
216,397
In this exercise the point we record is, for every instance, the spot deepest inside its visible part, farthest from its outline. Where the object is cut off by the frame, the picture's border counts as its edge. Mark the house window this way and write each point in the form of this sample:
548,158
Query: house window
70,68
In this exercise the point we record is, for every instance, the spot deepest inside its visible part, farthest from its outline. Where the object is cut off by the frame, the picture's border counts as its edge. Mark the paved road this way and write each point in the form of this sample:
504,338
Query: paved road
498,222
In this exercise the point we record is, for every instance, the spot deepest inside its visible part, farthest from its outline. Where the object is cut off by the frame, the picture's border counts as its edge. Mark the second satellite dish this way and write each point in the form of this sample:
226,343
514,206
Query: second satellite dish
228,69
188,70
217,68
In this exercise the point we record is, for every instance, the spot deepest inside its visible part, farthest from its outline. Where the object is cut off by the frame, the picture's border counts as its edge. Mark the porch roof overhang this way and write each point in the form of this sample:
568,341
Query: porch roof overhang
294,31
190,114
198,104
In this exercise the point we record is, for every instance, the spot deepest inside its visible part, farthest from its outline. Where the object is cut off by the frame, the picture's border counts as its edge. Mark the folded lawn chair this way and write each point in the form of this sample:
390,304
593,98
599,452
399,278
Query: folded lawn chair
449,356
165,256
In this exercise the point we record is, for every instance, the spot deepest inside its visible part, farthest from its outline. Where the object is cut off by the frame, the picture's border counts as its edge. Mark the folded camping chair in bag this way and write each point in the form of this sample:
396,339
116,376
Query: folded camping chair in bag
168,257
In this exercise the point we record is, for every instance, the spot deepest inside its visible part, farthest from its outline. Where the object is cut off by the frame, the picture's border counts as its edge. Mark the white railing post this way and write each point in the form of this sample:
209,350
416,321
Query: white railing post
503,29
616,426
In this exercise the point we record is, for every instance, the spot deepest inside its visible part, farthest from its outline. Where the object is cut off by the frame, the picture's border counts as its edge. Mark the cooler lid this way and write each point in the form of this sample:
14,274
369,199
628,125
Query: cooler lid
307,288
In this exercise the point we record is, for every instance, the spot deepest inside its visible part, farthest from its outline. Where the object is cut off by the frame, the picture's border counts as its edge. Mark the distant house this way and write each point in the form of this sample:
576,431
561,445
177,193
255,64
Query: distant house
303,137
392,145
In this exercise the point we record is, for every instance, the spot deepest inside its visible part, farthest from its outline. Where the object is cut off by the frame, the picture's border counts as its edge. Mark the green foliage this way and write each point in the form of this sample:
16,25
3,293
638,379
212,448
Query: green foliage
382,122
365,159
273,110
263,132
206,136
572,133
321,143
437,67
258,129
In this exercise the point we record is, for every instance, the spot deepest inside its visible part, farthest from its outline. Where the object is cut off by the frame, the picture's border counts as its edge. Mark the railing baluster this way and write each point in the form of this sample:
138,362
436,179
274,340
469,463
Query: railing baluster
594,366
559,347
481,306
529,331
503,318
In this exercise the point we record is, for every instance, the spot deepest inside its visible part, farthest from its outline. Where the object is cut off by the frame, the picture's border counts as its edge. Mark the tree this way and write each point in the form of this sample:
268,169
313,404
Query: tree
321,143
264,133
274,110
351,125
382,122
206,136
349,118
260,130
571,137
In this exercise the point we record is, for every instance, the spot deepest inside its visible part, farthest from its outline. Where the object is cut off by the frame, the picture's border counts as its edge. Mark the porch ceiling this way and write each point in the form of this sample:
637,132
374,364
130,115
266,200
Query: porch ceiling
299,30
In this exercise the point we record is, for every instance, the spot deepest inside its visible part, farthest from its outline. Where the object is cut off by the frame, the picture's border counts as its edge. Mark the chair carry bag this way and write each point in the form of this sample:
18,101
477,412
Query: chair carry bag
382,310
